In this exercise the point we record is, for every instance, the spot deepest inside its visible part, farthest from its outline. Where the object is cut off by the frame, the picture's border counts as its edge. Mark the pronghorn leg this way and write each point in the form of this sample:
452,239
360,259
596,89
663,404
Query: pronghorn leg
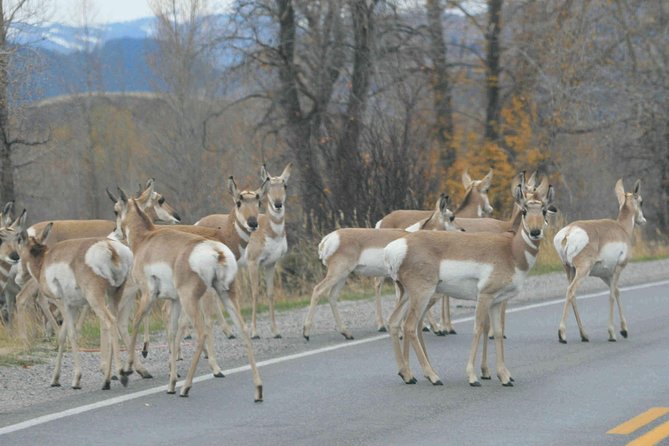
145,304
332,278
419,306
62,337
578,276
334,294
615,291
228,297
182,326
172,341
96,299
253,278
269,287
482,305
446,315
394,326
433,325
491,335
209,304
127,302
487,328
227,330
378,284
419,333
192,306
69,317
495,319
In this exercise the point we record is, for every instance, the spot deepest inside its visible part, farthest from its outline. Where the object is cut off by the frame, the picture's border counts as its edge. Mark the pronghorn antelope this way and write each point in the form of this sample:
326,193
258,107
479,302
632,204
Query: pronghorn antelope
475,204
150,200
79,272
360,250
181,267
266,245
8,258
485,267
235,233
599,248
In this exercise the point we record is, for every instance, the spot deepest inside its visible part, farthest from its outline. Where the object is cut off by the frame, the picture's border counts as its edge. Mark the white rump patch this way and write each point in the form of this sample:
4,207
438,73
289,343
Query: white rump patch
414,227
393,256
378,224
99,258
31,232
160,278
463,279
204,261
328,246
370,263
576,240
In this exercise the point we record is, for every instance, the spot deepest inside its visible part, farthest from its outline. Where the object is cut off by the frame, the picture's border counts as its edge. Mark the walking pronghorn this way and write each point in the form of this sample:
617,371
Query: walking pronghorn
181,267
485,267
475,204
361,250
266,245
79,272
599,248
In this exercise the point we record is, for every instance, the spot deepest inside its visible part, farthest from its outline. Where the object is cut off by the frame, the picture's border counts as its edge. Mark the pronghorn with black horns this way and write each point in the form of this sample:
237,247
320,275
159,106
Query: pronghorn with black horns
483,267
181,267
599,248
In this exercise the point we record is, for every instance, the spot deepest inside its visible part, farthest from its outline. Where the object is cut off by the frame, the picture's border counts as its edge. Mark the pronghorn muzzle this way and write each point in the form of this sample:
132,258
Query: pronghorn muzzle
252,223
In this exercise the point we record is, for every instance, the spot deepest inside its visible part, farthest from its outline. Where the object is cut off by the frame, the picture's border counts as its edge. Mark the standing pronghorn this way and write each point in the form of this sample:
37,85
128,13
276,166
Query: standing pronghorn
599,248
360,250
181,267
79,272
487,268
475,204
8,259
267,245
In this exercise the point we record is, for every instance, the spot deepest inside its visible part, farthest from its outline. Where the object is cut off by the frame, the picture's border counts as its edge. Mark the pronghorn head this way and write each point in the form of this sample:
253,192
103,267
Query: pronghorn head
477,190
534,211
445,214
631,202
531,188
128,211
155,206
276,193
9,238
247,203
32,250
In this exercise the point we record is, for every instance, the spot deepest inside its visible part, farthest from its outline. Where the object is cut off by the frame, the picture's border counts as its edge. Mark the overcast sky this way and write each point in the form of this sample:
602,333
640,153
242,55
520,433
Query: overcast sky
104,11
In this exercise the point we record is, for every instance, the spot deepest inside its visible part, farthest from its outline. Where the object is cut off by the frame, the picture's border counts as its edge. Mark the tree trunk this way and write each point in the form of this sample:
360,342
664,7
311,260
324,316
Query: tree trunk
441,87
7,191
493,70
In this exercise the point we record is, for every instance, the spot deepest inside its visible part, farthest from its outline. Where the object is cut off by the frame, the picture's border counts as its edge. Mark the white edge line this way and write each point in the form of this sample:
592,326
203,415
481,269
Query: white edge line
120,399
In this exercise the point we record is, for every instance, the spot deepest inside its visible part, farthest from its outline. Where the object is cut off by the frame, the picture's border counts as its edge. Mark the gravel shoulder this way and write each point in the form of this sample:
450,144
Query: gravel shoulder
25,392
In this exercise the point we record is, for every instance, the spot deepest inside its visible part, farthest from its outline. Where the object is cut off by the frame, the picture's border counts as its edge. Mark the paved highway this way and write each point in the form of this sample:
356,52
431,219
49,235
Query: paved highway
334,392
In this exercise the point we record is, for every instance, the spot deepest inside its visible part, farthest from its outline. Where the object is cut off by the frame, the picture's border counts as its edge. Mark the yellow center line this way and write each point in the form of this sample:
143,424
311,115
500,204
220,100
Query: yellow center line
635,423
653,436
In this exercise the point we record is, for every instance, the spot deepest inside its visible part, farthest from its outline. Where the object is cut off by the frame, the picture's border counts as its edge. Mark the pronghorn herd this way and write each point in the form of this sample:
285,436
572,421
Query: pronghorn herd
109,266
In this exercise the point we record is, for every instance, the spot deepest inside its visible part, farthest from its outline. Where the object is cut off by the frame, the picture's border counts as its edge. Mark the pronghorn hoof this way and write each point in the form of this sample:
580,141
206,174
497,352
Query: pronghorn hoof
146,375
76,387
426,328
258,398
585,339
255,337
124,381
55,385
561,339
411,381
278,336
106,385
114,378
486,377
441,333
184,393
511,379
491,337
231,336
188,337
504,337
475,384
437,383
348,337
624,333
145,350
451,331
612,339
126,372
219,375
171,392
145,353
306,337
382,329
509,384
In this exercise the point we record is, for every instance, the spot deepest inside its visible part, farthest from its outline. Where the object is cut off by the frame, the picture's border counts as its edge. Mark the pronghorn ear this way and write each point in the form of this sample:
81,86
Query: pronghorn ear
263,173
263,189
487,180
466,180
45,233
443,202
531,181
519,196
550,195
232,187
620,192
148,189
286,172
521,181
543,188
637,187
111,196
7,213
20,223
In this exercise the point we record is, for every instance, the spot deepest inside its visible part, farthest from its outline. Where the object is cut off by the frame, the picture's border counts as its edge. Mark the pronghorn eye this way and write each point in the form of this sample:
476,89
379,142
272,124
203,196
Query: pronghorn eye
161,201
257,196
239,204
285,186
545,212
524,211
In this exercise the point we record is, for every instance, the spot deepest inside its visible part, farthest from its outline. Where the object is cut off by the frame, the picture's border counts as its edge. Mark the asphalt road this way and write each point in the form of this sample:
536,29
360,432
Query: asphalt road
564,394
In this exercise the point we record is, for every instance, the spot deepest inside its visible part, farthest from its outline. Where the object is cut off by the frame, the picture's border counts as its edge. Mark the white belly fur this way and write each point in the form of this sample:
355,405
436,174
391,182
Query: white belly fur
371,263
611,255
463,279
160,280
63,284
